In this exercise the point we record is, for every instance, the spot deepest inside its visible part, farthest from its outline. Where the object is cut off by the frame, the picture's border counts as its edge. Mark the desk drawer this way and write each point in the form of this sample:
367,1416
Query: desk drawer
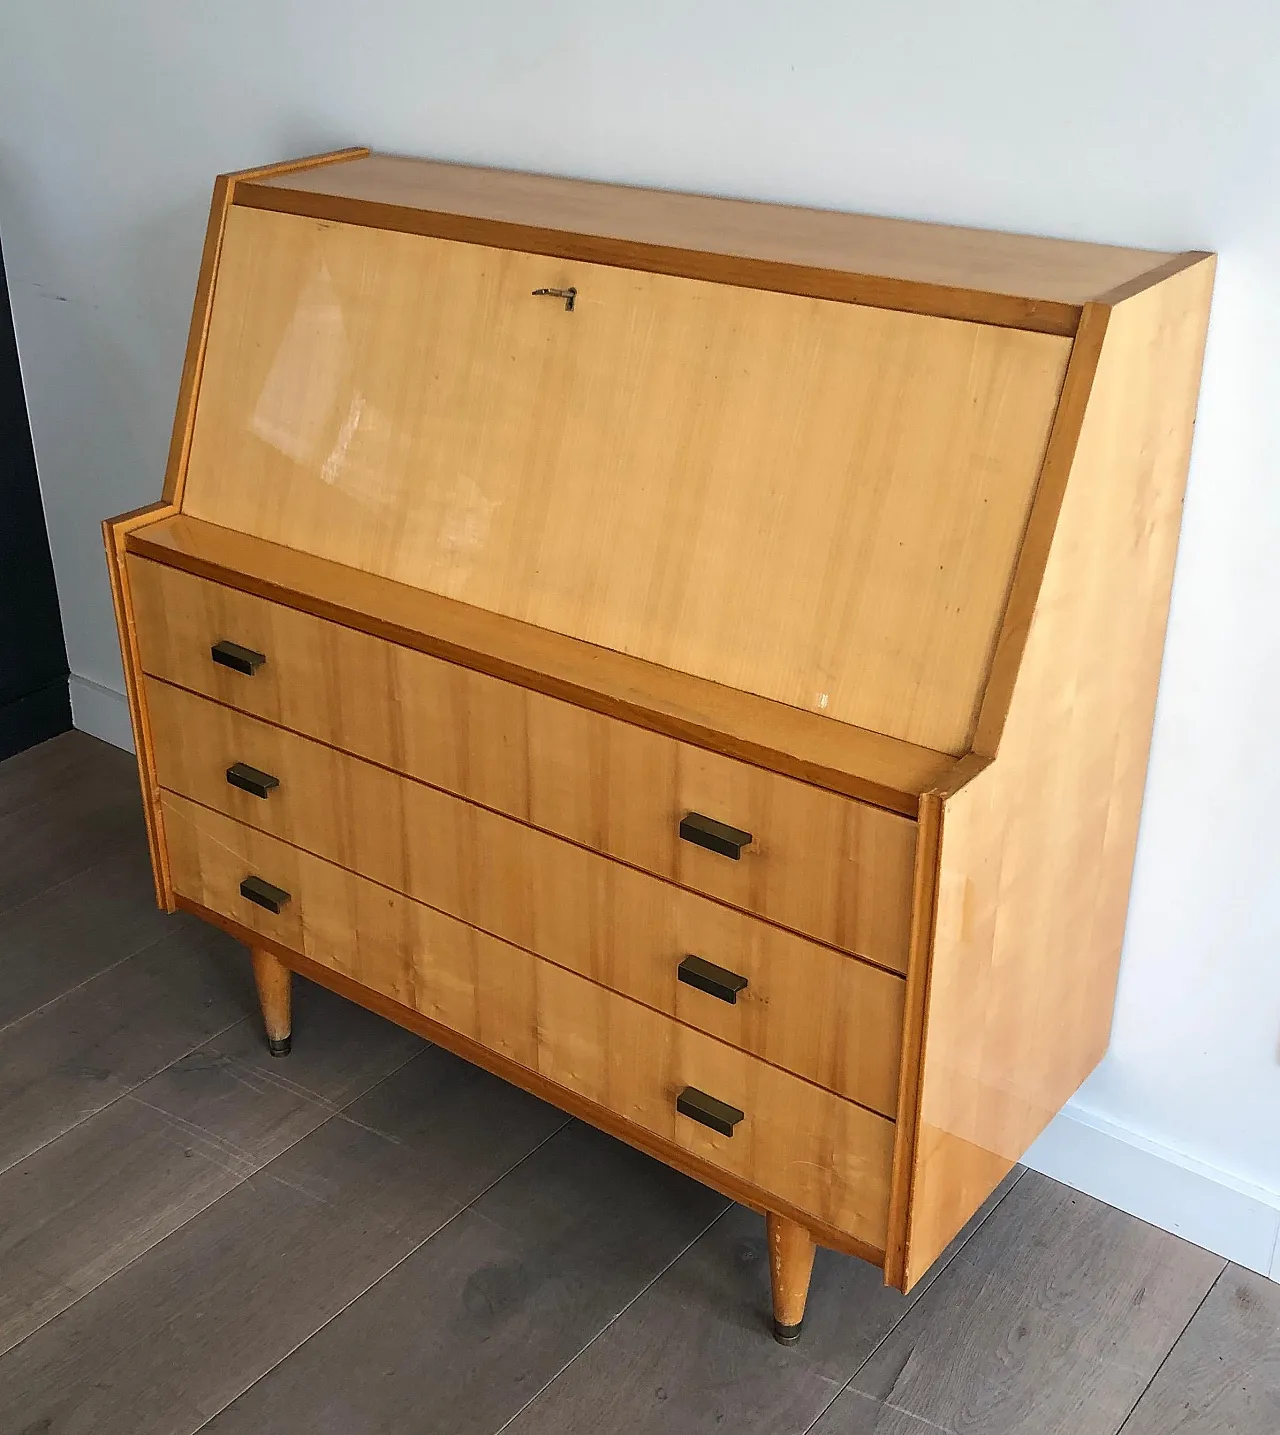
805,1007
819,863
827,1156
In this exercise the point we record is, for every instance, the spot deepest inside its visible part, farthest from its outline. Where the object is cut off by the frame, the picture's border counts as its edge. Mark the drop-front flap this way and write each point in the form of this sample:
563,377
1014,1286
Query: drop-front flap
814,501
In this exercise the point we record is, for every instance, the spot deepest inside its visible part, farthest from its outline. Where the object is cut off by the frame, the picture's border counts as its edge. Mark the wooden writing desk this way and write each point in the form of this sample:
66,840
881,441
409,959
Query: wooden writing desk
693,658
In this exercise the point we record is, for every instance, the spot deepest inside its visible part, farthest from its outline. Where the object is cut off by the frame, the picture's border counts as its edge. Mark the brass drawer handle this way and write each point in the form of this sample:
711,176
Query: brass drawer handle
714,836
707,977
264,894
251,779
240,660
719,1115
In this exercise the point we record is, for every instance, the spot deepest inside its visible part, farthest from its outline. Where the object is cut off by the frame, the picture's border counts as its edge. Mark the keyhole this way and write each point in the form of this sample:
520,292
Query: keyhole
568,295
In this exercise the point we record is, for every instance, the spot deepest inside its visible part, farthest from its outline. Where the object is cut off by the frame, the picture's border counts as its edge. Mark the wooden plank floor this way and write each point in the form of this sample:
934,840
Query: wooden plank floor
374,1236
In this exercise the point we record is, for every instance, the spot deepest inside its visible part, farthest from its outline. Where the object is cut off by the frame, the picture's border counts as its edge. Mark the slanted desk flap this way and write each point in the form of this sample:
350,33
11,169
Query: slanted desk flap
817,502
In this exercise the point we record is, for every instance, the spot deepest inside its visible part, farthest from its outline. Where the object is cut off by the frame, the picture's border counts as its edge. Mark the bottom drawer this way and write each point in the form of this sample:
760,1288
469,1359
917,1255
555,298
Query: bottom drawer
796,1141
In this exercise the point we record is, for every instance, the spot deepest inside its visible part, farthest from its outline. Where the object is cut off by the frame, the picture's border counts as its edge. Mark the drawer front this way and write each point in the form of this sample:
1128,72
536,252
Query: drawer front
827,1156
826,1016
817,862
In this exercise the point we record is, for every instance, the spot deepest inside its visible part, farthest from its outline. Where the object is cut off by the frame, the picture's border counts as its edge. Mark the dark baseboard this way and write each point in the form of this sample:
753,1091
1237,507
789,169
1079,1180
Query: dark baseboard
35,718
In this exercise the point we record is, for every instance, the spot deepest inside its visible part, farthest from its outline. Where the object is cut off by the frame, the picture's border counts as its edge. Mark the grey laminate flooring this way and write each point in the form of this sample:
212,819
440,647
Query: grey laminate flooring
373,1238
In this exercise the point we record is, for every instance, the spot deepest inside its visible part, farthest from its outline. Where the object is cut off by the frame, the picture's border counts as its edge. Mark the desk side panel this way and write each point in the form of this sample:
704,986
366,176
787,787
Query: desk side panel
115,534
1037,850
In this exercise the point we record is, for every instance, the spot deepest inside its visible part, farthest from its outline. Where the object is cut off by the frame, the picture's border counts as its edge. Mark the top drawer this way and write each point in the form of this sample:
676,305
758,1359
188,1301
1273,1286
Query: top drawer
817,862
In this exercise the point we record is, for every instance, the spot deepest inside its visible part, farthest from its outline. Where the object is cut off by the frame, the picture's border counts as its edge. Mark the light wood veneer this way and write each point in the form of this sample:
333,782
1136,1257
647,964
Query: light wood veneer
853,534
1032,895
624,473
1016,279
823,1015
818,863
825,1156
835,756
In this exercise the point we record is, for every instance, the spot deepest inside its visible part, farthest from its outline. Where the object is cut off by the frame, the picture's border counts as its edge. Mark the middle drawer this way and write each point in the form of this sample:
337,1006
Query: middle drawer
804,1007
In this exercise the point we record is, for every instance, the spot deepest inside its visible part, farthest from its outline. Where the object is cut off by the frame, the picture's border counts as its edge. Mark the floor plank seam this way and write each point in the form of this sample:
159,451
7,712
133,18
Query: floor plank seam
926,1286
57,1315
43,894
79,986
120,1096
47,800
47,892
1164,1360
613,1319
333,1111
359,1295
911,1415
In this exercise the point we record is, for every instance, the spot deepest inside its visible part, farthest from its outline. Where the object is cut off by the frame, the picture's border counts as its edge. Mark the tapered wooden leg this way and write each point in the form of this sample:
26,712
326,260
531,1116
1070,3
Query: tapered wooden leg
790,1266
274,981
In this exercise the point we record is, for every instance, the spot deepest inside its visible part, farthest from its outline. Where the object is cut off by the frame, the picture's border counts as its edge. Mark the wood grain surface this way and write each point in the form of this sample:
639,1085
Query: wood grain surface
915,1007
817,1152
1053,1317
968,273
806,1008
869,766
1037,850
791,1253
818,863
93,812
160,1348
110,1188
628,473
1022,1332
115,533
1224,1373
72,1058
517,1284
224,189
1042,522
98,918
693,1354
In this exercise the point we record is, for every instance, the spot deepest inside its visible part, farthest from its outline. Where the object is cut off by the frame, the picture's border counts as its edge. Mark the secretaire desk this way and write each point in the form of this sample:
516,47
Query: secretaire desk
693,658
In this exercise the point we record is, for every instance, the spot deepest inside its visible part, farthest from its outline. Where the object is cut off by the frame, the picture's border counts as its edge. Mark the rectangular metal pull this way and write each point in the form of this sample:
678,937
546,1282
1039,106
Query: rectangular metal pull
240,660
708,977
719,1115
251,779
714,836
264,894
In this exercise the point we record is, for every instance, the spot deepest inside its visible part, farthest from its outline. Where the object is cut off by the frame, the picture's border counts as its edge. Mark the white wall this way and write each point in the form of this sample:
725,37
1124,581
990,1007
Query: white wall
1129,121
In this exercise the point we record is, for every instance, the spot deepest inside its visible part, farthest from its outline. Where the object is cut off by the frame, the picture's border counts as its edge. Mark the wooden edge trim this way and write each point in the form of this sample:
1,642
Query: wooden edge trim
175,472
1008,311
292,166
1174,265
961,775
115,532
537,1085
668,724
919,953
224,187
1033,555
